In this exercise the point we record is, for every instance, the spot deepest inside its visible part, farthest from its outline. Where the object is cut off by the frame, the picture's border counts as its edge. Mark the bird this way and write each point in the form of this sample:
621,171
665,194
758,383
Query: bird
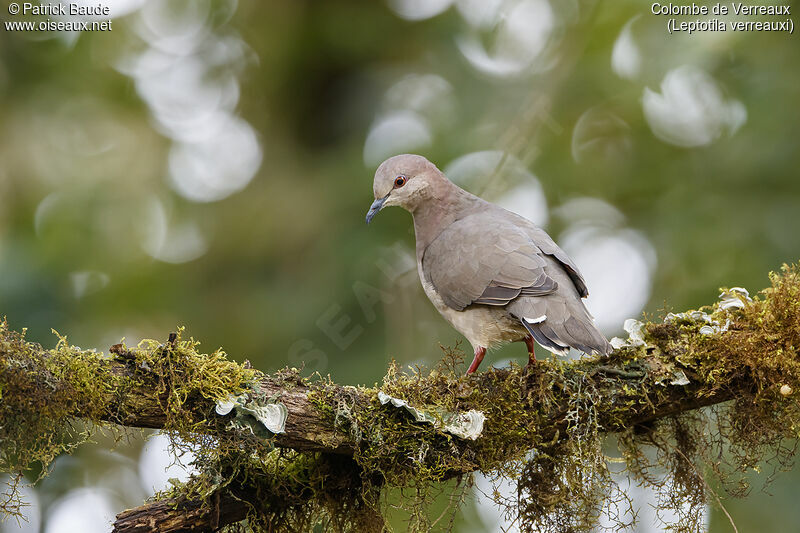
494,275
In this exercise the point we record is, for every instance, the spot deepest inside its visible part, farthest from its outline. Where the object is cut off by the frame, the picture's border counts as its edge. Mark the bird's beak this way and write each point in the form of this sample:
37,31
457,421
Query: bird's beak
374,208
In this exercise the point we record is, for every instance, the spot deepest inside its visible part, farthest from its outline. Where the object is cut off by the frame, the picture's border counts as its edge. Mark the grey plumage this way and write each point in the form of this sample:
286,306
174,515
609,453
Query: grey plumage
494,275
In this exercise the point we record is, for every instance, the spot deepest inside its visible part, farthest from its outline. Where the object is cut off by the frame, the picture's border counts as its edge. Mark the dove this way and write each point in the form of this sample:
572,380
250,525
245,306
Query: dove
494,275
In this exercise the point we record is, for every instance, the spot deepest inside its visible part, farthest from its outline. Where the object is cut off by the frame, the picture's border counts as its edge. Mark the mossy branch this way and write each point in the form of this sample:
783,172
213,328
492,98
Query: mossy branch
339,446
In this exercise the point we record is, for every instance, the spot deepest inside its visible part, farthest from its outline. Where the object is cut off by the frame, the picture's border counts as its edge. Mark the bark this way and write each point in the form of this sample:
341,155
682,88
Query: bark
171,516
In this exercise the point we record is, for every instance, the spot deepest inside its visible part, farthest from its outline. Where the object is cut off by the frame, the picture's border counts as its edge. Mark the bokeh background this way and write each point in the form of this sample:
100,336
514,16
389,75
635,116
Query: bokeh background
209,164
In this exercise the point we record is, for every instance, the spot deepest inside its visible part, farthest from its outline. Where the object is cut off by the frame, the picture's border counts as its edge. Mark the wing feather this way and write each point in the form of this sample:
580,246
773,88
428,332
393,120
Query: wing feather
485,260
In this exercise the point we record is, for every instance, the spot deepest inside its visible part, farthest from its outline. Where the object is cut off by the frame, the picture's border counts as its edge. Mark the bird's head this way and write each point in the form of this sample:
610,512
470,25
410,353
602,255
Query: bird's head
405,180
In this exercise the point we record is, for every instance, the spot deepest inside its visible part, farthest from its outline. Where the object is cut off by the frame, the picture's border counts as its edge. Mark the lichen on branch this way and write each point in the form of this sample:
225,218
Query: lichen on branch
340,450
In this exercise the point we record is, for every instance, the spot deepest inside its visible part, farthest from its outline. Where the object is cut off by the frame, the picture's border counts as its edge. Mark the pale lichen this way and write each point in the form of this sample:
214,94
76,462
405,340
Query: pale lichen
467,425
254,414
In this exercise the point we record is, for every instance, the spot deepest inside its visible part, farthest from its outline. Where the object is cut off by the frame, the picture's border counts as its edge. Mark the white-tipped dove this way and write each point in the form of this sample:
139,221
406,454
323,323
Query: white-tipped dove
494,275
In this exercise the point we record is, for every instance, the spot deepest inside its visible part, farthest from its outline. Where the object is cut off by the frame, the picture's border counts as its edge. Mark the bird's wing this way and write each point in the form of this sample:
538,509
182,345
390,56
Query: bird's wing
549,247
486,259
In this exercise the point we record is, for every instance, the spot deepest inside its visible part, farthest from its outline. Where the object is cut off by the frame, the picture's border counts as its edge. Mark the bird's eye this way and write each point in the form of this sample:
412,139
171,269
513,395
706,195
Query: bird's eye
399,181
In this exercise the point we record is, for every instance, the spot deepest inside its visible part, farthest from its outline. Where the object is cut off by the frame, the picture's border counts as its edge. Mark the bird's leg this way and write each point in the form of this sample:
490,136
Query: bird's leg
531,352
480,351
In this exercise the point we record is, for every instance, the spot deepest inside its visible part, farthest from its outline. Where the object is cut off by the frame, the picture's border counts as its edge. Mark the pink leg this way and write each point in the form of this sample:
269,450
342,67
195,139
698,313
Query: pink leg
480,351
531,352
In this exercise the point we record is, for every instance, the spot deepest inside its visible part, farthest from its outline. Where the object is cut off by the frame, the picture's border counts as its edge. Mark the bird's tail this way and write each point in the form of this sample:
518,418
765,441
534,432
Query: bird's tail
558,324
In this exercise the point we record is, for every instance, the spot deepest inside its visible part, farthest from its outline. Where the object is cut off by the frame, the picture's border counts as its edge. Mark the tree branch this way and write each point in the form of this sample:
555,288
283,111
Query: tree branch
307,428
667,368
172,516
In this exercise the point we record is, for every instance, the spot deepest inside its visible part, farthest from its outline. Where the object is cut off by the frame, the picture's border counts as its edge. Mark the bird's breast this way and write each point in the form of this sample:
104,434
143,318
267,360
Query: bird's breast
482,325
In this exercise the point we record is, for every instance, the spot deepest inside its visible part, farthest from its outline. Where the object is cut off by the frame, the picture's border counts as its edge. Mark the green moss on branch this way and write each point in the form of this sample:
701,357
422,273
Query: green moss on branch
544,426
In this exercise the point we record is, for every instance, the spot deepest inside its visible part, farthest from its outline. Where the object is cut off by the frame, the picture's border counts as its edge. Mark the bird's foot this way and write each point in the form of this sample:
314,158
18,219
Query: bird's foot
531,351
480,352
